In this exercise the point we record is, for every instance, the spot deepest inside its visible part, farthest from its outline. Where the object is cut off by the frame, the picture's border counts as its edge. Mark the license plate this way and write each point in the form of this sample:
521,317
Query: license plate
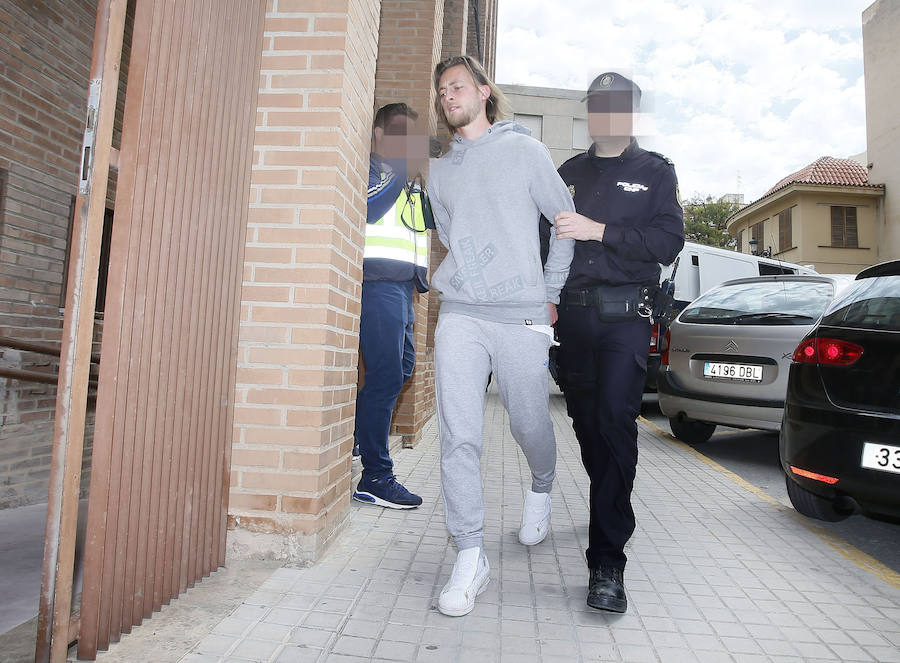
743,372
881,457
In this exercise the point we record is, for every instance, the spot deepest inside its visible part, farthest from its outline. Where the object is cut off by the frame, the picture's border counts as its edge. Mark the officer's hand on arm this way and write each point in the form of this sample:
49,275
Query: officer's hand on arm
553,314
571,225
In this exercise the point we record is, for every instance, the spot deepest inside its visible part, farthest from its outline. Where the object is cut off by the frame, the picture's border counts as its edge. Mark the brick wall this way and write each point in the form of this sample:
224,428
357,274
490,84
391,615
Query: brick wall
298,349
45,51
409,45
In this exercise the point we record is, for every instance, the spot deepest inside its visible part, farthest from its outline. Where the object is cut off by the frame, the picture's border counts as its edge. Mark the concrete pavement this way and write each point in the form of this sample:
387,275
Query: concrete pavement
717,572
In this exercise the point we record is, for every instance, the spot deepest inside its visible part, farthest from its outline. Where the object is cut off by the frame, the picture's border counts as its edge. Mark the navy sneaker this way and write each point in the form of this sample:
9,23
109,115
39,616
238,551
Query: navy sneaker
386,492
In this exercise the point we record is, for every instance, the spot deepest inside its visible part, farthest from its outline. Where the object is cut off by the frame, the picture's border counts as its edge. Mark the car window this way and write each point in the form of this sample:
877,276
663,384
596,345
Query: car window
868,304
761,303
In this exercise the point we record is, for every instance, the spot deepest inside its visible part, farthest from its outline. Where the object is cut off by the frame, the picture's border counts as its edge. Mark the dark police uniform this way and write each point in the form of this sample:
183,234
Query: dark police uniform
604,337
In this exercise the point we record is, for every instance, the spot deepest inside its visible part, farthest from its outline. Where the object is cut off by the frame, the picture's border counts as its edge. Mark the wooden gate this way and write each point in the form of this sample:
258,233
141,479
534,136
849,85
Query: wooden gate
162,437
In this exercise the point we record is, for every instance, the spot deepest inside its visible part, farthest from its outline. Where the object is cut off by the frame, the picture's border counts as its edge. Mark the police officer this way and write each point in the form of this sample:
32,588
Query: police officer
395,261
628,220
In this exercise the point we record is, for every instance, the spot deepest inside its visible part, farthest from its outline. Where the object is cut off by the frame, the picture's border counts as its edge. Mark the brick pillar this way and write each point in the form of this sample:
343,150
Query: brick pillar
409,46
490,37
456,26
297,356
486,31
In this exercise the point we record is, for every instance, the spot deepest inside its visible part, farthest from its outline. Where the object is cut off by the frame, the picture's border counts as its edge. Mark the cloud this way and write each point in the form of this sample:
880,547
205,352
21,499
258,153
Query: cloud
745,88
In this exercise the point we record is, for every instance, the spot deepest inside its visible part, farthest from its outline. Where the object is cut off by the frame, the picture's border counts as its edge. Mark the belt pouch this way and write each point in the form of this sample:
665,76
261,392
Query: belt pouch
616,303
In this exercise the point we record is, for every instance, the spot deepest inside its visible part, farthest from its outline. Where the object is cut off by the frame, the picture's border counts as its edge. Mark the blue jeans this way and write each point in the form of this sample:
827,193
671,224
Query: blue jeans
386,344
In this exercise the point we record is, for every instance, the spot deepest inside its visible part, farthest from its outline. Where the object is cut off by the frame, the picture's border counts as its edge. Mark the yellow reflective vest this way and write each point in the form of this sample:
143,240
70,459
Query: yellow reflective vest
396,247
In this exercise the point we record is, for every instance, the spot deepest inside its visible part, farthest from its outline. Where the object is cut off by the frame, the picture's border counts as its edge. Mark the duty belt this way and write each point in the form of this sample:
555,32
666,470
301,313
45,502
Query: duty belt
613,302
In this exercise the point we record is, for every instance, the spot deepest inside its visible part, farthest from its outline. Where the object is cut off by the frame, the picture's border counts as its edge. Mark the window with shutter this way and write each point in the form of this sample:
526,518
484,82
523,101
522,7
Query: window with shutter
837,226
850,237
843,227
785,241
756,231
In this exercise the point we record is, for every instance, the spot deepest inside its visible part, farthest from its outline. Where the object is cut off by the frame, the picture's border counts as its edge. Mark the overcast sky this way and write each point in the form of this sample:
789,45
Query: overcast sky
743,92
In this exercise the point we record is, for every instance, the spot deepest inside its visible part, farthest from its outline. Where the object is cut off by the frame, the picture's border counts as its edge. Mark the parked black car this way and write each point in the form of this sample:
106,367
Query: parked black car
840,438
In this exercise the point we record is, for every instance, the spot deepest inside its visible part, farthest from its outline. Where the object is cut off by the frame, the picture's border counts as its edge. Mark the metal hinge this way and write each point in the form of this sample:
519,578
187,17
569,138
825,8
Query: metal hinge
90,137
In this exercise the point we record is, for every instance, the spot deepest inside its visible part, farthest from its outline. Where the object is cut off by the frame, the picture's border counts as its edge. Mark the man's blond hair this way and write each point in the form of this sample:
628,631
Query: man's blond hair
496,107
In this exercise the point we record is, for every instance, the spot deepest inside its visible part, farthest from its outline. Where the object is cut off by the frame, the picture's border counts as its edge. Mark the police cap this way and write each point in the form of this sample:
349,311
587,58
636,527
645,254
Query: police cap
614,92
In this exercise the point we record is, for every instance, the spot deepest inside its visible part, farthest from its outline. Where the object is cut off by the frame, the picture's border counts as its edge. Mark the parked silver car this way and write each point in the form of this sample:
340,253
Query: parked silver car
727,355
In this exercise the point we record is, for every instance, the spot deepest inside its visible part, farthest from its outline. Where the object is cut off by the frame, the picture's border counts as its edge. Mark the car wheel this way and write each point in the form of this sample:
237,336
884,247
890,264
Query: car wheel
690,431
813,506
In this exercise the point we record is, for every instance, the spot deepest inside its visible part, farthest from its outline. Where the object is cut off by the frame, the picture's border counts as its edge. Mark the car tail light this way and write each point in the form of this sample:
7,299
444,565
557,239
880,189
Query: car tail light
654,337
827,351
812,475
664,357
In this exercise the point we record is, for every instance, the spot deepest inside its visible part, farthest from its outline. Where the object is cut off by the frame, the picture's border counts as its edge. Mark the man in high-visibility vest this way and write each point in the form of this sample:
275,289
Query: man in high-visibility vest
395,262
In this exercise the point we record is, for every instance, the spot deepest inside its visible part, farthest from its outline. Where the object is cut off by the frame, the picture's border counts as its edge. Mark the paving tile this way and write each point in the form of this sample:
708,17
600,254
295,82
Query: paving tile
354,646
298,654
437,654
674,655
310,637
233,626
524,647
255,650
395,651
250,612
199,658
637,654
270,631
328,620
884,654
479,640
216,644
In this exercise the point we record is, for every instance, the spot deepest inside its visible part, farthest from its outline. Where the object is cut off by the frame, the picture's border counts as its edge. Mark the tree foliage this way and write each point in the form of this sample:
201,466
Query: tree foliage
704,221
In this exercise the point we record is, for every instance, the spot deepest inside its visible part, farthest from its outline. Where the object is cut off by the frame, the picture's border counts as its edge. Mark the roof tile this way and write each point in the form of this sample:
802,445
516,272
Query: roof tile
826,170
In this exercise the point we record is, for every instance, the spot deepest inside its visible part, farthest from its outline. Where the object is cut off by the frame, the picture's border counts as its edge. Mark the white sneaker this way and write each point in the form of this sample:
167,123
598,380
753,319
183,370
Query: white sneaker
535,518
470,578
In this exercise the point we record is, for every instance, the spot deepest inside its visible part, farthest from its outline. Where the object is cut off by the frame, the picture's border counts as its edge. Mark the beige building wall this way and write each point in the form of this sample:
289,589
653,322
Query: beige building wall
881,26
811,227
555,116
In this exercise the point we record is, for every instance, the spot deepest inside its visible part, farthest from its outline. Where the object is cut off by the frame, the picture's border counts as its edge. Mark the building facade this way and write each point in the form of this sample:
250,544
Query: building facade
556,117
880,26
826,214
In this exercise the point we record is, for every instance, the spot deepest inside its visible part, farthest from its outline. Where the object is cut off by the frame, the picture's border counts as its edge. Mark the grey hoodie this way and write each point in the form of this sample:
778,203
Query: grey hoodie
487,196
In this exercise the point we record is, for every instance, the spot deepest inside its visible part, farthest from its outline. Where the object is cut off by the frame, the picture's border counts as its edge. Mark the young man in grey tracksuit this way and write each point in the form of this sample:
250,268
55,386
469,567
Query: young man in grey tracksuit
497,305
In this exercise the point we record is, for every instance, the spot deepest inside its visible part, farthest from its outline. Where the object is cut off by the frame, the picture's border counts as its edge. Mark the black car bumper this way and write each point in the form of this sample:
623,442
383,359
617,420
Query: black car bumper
830,442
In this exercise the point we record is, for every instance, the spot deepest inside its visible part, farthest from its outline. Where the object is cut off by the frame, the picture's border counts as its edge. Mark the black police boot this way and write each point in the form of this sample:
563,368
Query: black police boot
606,589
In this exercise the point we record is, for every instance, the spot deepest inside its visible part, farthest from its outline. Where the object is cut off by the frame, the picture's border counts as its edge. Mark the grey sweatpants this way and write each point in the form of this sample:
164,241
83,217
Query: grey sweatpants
466,351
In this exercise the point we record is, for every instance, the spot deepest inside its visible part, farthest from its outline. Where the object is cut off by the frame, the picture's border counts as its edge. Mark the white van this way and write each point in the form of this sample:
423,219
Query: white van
703,267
